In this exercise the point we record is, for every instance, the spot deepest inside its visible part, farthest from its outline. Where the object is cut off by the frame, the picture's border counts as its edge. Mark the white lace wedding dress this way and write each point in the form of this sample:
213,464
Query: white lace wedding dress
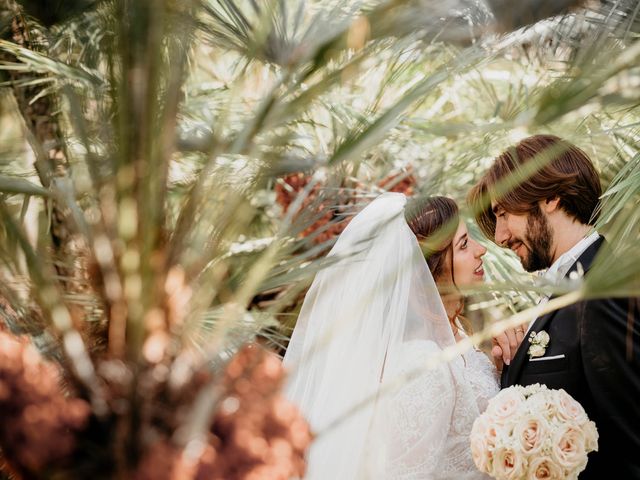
443,451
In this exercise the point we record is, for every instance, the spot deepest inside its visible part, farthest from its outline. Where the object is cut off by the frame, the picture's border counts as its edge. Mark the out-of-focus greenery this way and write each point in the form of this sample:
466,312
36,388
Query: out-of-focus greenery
171,122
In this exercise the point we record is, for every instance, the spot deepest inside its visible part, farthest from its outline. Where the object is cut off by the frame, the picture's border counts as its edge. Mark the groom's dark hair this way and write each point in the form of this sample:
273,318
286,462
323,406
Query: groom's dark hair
538,168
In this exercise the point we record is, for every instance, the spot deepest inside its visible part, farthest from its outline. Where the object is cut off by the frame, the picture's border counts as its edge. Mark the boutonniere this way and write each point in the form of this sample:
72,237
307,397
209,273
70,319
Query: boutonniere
539,342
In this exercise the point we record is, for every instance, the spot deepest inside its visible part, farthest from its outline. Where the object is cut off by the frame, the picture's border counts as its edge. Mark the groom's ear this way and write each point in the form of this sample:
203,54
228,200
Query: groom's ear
550,205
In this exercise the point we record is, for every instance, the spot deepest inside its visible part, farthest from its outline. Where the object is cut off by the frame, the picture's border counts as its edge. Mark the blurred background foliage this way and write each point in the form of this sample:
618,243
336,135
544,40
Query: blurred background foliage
172,173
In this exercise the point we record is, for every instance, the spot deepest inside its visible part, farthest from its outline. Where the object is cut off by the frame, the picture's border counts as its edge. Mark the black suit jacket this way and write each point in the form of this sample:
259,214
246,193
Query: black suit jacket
597,343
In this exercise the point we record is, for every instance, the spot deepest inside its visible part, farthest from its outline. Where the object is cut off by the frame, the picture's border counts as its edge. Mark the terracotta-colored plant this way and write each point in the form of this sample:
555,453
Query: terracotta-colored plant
403,182
39,421
327,206
256,433
331,204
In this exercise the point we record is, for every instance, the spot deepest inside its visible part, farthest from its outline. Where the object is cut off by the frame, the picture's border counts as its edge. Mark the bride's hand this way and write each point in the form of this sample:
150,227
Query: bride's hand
505,346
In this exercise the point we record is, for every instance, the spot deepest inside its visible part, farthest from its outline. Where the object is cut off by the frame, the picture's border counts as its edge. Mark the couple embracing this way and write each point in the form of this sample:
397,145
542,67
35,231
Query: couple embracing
388,304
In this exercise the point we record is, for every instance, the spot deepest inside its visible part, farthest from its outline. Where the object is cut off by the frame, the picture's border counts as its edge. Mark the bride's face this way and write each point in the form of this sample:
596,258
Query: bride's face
467,258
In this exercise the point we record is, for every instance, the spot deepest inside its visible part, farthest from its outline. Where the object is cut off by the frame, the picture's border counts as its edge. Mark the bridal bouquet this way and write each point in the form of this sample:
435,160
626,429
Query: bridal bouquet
533,432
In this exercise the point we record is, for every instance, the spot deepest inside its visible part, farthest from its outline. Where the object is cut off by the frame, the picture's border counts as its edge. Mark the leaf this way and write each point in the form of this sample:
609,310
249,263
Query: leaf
17,185
35,62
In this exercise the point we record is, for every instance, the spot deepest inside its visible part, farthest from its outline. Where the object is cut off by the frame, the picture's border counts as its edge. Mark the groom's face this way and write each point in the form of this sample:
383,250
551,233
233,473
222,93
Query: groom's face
529,236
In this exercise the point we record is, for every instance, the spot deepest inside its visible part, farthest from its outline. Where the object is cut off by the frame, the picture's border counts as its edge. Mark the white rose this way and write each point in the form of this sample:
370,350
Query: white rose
533,389
508,464
543,404
569,409
590,436
543,468
542,338
504,406
536,350
569,447
530,433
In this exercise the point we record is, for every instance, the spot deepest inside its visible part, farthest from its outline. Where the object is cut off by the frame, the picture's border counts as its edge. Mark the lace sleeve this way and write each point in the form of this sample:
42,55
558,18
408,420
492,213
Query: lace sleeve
419,421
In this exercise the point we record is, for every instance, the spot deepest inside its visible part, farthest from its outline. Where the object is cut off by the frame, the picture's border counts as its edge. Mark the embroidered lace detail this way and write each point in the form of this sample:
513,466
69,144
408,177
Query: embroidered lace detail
483,377
431,416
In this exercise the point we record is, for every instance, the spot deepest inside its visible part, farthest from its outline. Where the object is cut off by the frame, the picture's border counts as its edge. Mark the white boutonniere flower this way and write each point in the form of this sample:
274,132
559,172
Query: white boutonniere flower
539,342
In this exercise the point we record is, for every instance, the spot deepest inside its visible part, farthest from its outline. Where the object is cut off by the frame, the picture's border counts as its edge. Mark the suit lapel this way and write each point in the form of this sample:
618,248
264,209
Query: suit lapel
515,369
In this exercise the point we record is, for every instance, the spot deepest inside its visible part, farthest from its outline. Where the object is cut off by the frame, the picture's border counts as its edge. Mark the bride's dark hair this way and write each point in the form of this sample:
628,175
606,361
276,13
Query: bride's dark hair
434,221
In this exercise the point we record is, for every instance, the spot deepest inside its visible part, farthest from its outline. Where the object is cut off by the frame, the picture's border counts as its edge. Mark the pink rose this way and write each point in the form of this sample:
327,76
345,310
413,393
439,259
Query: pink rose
569,448
530,433
543,468
504,406
483,442
508,464
590,436
569,409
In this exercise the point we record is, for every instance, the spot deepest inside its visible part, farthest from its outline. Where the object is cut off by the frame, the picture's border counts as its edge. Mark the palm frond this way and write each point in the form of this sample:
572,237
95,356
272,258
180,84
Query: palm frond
39,63
17,185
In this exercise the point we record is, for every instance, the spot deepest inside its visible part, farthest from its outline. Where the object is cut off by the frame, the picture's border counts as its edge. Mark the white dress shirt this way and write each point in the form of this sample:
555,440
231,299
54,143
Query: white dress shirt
557,271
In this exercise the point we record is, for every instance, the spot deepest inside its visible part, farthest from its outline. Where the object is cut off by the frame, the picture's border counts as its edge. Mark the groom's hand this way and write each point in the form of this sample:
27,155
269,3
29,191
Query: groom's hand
505,346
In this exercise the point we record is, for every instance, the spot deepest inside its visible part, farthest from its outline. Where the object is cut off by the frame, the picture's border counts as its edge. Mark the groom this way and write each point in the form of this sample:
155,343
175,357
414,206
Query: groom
593,351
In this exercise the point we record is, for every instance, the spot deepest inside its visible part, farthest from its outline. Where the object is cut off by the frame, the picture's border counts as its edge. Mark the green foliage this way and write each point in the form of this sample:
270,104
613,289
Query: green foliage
177,119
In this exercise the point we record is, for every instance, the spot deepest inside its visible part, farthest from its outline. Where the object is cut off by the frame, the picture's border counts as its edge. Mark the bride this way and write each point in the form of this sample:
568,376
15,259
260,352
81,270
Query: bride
362,357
